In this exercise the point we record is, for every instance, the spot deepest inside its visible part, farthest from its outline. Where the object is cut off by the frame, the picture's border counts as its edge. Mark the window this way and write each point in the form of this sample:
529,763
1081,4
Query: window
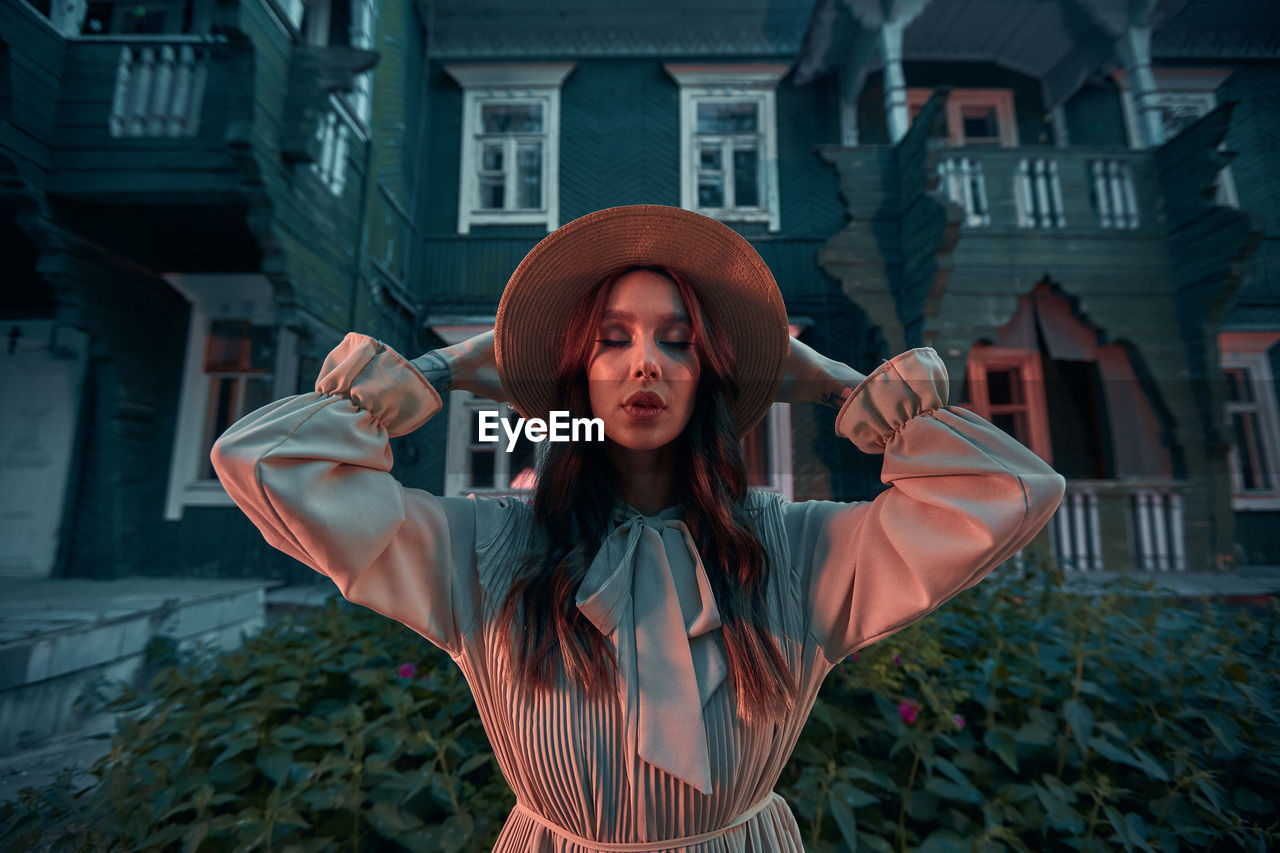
1006,386
729,142
1252,420
1182,95
973,116
510,144
484,467
237,360
766,452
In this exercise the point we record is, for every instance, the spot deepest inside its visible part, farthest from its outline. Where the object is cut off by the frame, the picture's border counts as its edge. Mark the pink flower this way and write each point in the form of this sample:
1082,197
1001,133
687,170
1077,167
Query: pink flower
959,720
856,655
897,660
908,710
407,670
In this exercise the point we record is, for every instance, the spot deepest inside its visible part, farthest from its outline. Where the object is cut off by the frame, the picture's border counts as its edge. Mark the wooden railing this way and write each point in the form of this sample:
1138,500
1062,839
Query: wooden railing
1103,522
1045,189
160,88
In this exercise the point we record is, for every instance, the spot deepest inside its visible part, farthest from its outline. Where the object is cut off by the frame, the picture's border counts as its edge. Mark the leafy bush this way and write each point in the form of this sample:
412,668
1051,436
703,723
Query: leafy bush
1017,717
1022,717
313,736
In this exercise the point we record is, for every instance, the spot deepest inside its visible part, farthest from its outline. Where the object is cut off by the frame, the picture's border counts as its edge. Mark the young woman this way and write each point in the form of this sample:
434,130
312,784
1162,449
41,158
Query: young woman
645,641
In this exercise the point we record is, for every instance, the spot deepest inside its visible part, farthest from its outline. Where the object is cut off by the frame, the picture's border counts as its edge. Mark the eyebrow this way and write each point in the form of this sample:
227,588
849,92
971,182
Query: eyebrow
625,316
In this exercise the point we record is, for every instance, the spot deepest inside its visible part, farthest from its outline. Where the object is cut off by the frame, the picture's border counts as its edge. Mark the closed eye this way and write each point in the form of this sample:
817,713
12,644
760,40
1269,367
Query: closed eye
607,342
680,345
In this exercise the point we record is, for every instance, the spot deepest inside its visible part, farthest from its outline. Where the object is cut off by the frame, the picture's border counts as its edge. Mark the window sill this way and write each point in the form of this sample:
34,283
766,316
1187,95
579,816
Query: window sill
731,215
200,493
1255,503
507,217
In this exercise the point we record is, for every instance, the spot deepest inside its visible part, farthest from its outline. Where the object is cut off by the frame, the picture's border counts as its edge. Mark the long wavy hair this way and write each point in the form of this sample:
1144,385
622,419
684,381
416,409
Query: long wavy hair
572,505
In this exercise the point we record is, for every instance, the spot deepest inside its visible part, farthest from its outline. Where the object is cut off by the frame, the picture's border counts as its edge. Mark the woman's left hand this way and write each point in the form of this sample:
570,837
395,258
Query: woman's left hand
812,377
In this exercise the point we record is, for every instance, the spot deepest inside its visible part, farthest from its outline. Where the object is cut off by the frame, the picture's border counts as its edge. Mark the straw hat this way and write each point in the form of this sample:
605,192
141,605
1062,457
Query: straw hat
733,285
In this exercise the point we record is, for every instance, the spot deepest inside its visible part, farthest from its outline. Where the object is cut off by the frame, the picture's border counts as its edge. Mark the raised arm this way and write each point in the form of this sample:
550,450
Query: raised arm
964,496
313,474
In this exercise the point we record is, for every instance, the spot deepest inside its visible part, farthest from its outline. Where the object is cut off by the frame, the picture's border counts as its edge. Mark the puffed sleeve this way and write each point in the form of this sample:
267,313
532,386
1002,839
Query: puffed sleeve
312,472
964,496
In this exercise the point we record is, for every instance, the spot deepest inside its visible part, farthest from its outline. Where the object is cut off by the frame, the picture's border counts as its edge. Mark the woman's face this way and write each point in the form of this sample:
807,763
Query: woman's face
642,375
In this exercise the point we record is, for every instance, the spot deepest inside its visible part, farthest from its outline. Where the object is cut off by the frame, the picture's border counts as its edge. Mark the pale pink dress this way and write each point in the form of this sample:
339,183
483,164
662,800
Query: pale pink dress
665,764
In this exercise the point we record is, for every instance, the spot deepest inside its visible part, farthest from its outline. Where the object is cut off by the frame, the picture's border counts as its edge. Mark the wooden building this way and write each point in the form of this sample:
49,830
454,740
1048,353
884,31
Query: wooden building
199,200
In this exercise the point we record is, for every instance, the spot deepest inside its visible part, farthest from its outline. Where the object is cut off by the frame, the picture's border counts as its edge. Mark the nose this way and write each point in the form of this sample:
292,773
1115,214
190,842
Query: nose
646,366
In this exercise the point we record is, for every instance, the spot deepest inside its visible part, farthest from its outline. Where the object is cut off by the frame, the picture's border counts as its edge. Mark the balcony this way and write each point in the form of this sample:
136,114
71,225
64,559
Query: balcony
1090,190
147,118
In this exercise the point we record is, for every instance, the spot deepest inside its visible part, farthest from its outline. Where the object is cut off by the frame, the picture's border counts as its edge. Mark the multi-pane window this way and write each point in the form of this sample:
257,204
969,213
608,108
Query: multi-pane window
728,141
237,360
766,452
972,116
1182,96
510,143
1006,386
240,362
1252,417
1251,468
485,467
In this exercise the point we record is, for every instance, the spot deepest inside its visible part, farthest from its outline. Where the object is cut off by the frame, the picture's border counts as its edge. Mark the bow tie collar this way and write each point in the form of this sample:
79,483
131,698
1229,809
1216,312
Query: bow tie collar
648,592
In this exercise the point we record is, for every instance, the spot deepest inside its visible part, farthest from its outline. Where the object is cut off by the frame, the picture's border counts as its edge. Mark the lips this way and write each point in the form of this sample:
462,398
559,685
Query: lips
643,405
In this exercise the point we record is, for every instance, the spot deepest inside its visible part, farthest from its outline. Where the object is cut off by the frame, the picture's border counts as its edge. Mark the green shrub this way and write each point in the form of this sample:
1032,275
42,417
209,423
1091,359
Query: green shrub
1018,717
1050,722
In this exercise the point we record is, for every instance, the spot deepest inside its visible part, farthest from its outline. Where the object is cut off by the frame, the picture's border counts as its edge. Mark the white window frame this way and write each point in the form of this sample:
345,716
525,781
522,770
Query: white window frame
1001,100
535,82
215,297
462,405
1248,351
982,360
778,450
1186,86
730,83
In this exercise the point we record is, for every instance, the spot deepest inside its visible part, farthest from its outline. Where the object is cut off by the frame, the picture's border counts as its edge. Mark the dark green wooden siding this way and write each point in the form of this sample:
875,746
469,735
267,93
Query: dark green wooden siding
1095,117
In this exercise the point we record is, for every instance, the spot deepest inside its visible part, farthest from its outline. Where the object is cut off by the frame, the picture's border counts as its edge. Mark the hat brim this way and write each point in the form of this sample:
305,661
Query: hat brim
734,286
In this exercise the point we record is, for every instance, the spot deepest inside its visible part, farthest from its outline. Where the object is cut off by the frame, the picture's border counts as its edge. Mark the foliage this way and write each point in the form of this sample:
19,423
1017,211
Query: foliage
1019,717
311,737
1046,722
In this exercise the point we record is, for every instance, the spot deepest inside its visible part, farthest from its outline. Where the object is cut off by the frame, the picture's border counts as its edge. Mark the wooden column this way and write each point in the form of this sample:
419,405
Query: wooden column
895,83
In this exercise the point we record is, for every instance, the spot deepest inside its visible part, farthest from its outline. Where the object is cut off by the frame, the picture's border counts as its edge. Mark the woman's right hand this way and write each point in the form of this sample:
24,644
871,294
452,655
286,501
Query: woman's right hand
474,367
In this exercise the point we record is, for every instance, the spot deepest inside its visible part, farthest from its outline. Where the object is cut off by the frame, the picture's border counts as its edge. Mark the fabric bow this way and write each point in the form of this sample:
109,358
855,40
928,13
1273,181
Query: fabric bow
648,591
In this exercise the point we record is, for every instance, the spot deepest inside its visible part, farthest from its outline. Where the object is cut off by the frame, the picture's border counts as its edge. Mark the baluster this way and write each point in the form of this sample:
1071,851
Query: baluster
966,188
1079,509
161,93
118,123
1095,535
1143,506
980,194
1162,531
1178,532
1026,212
200,78
1042,219
180,105
1130,197
339,179
1055,190
1062,520
1100,192
1115,177
141,92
